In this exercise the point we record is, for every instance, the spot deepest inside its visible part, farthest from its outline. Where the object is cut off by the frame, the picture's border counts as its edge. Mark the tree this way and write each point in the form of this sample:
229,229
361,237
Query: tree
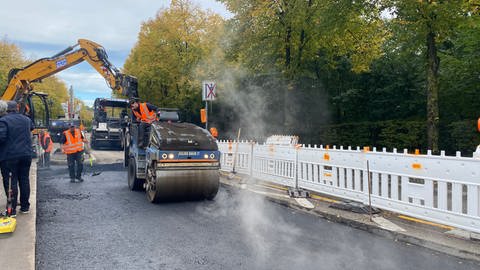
428,24
10,57
168,53
294,36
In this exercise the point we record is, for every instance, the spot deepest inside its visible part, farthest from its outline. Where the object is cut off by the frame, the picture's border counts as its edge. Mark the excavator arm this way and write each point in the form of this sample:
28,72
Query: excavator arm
19,80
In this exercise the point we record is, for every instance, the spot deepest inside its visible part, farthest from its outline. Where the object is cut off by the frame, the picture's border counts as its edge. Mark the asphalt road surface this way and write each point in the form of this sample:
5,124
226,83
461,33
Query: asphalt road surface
101,224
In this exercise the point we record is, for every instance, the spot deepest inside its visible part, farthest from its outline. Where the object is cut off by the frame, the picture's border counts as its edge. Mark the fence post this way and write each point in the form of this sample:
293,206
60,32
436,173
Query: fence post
251,158
236,151
296,167
369,191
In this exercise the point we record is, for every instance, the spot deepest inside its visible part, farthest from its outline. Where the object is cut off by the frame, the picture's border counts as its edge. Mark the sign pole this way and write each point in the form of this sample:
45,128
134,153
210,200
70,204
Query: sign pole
206,114
209,89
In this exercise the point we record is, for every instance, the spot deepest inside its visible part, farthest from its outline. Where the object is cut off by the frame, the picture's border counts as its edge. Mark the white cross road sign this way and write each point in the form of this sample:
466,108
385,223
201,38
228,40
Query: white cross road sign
209,90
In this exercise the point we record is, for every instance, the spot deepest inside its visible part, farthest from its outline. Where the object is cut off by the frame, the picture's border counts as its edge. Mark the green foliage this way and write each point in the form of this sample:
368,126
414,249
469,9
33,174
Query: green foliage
400,134
170,51
460,136
334,72
295,36
10,57
460,75
57,93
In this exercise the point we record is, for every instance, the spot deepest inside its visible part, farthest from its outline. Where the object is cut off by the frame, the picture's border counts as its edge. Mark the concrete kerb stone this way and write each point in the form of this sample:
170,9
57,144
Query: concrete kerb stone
370,227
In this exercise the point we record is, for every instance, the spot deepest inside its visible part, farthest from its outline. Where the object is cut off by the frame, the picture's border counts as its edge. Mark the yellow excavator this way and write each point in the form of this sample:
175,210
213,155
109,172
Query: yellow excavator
176,161
20,80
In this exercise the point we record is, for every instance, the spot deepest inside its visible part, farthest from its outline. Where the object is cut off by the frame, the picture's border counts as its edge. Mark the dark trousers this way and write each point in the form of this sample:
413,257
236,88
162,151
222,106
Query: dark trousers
75,160
46,159
20,171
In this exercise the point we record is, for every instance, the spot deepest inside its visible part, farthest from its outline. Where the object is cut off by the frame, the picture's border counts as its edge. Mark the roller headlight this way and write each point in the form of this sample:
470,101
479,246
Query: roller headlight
164,156
171,156
212,156
205,156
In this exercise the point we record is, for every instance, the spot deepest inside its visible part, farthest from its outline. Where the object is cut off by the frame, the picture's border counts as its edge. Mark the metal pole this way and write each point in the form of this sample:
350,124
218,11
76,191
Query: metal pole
206,114
369,191
251,158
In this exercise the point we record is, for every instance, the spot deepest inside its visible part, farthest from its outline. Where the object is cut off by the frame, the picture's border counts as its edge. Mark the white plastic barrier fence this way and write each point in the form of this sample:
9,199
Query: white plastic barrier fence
442,189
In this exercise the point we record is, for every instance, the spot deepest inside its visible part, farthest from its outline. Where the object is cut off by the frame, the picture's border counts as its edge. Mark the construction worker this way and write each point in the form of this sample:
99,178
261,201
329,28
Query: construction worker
47,146
16,155
3,111
73,146
143,112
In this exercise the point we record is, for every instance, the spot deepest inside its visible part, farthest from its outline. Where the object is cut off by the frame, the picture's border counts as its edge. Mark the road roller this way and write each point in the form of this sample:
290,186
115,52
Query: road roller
171,160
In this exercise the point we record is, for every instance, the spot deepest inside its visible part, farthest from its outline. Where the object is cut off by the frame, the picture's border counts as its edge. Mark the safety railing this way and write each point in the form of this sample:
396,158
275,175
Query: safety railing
442,189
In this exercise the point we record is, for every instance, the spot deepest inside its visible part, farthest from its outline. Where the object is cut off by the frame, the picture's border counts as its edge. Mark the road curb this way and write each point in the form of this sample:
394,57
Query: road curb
17,250
395,236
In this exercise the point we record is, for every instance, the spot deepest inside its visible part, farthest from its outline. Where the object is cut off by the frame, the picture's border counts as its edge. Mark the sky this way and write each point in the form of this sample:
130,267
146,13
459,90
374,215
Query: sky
42,28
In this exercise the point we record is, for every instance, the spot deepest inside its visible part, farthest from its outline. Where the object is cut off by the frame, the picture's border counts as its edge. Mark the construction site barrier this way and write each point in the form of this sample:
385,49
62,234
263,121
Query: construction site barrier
438,188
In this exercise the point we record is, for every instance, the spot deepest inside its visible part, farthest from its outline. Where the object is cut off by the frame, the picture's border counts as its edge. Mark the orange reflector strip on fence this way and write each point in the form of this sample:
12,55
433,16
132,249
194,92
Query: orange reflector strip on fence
327,174
326,156
417,166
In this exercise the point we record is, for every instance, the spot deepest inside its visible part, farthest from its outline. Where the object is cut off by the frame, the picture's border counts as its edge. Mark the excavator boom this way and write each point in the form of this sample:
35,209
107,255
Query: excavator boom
19,80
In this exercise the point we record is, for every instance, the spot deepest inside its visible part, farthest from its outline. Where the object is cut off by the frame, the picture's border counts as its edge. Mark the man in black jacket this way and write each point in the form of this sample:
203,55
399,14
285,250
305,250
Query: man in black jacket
3,112
16,154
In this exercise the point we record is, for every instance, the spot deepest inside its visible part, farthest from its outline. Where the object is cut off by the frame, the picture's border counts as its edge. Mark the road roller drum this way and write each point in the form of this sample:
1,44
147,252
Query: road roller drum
181,185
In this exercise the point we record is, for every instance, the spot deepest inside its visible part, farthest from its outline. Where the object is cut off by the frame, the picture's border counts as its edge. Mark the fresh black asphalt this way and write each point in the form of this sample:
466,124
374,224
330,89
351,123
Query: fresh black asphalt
101,224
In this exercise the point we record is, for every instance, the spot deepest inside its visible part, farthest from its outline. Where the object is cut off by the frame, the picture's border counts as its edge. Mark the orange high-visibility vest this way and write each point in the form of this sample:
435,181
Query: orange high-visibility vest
73,144
145,114
50,144
214,132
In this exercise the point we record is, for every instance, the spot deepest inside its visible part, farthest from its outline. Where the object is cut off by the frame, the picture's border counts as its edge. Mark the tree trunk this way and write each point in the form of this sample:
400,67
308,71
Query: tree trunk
288,46
303,35
432,93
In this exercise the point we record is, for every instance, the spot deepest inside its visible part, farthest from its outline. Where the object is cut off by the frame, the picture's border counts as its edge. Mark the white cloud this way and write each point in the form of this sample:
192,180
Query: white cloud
85,83
114,23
